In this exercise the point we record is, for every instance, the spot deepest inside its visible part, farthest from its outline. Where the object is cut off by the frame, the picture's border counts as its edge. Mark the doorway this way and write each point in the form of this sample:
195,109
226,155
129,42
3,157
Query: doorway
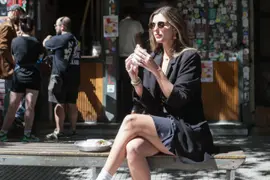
262,53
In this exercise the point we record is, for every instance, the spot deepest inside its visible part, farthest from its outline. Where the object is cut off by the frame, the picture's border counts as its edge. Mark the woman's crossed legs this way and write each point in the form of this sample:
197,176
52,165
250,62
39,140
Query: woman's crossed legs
136,139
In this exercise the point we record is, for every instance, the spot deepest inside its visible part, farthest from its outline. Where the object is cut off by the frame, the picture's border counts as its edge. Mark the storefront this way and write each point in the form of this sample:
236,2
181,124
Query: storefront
219,29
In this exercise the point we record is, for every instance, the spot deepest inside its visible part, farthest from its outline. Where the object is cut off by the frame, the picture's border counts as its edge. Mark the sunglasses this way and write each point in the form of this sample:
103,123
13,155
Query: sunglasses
160,24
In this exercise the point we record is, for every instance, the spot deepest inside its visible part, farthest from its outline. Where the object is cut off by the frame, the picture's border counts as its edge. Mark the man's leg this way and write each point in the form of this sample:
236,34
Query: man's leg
72,110
59,115
59,112
73,116
15,99
8,84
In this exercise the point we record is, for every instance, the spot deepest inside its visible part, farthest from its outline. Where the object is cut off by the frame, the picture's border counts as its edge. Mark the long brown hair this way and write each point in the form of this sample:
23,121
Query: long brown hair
173,16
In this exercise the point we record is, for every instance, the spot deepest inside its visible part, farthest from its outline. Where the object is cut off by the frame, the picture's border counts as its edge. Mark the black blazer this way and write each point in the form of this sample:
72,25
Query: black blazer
184,105
185,102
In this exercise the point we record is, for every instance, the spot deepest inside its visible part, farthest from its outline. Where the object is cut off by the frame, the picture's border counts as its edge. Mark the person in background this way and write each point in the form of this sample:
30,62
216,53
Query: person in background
174,122
26,51
130,32
65,76
9,29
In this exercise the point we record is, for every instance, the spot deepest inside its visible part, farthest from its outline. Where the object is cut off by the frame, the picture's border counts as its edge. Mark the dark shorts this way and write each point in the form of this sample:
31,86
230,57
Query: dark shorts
166,130
19,86
68,93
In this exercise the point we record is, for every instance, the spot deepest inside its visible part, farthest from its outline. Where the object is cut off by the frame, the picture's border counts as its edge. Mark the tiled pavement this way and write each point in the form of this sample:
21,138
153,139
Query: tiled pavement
256,167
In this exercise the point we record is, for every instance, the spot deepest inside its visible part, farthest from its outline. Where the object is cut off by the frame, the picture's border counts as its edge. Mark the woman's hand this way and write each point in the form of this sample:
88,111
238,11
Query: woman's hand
132,68
145,60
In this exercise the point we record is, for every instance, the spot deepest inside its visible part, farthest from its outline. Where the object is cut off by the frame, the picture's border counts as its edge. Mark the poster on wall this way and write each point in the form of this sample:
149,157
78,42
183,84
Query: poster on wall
5,4
110,26
3,7
207,71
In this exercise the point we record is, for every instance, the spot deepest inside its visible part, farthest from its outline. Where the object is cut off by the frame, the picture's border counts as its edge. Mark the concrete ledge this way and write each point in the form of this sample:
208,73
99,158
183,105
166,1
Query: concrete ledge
228,128
110,129
260,131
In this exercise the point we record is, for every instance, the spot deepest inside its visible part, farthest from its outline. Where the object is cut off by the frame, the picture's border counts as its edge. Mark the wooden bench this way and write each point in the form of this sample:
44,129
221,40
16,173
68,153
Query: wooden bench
67,155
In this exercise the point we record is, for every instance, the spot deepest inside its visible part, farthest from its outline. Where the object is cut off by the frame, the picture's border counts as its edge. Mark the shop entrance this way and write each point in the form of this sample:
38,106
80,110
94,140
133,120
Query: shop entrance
262,53
144,8
262,65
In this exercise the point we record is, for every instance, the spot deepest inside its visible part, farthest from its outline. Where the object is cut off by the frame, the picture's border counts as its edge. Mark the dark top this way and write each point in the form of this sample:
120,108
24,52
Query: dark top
66,58
26,52
185,101
184,105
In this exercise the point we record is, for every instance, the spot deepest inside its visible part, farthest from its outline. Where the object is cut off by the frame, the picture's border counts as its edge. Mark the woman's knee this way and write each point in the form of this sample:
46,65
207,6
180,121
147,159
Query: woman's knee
132,150
129,124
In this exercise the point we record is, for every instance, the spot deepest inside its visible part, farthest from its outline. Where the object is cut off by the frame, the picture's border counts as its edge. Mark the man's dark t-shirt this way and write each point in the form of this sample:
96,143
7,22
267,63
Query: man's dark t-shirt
66,59
26,51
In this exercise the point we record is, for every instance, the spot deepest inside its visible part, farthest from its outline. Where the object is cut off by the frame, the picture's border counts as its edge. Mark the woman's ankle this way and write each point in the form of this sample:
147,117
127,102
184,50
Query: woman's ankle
104,175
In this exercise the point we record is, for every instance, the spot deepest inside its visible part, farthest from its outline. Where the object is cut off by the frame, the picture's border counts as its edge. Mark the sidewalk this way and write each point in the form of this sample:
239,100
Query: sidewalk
256,167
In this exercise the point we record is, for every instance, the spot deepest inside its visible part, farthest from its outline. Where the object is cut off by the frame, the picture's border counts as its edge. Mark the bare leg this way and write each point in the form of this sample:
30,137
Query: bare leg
30,103
73,115
137,151
134,125
14,102
59,115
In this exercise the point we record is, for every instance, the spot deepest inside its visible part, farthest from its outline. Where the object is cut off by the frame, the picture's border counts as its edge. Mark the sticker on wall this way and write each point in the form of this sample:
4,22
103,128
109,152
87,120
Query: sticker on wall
110,26
110,88
212,14
207,71
109,59
246,71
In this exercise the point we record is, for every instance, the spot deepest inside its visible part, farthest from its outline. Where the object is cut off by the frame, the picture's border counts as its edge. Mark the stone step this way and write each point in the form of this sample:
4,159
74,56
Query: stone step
111,129
228,128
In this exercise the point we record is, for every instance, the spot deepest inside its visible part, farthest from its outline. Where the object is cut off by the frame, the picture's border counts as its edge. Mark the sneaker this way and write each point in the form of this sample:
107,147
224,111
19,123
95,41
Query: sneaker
55,135
74,133
30,138
3,137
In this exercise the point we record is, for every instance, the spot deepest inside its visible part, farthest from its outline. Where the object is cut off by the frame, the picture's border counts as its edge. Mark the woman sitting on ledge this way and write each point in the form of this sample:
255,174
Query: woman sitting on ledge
174,122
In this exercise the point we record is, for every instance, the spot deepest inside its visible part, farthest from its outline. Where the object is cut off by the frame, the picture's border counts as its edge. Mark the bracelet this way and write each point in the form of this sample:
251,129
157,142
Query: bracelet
137,82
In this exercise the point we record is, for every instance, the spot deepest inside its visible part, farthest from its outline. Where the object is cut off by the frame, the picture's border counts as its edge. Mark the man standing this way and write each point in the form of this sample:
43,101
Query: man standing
130,31
65,76
8,31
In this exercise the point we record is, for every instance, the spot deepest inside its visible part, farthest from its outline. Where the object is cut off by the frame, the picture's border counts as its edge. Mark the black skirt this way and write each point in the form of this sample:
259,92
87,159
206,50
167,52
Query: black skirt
182,139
